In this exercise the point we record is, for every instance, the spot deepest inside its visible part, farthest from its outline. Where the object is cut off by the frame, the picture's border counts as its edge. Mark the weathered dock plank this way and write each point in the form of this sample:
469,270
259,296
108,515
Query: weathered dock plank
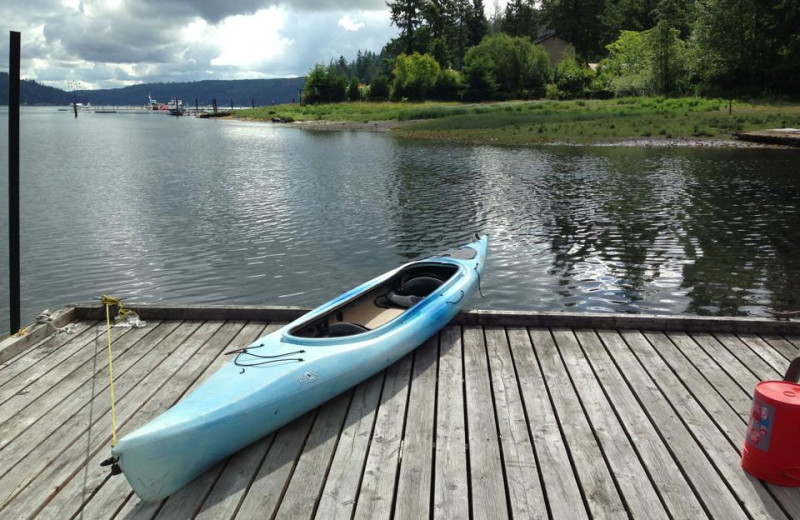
641,497
70,374
598,484
525,494
450,489
708,366
32,453
11,346
561,488
416,468
710,489
487,482
378,483
304,489
344,477
782,345
265,493
166,392
35,352
59,362
758,502
664,470
731,423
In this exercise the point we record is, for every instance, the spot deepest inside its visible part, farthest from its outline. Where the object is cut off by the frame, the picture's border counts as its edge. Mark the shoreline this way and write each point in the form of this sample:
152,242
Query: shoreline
631,122
629,142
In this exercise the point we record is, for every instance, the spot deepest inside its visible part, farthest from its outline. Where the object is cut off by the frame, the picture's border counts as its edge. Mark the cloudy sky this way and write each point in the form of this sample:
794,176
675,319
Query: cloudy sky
112,43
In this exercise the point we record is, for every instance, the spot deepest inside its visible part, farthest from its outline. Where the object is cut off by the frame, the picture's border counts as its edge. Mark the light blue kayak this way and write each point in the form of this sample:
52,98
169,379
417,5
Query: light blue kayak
291,371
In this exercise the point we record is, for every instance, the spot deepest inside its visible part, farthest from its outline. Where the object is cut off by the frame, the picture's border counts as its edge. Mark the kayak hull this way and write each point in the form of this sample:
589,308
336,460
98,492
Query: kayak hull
247,399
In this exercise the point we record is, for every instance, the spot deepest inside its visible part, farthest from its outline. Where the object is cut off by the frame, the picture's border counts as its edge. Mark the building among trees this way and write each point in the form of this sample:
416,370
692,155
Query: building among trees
555,47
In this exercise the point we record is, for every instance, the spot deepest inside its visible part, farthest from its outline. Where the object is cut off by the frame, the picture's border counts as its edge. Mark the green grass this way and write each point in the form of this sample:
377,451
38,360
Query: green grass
530,122
359,111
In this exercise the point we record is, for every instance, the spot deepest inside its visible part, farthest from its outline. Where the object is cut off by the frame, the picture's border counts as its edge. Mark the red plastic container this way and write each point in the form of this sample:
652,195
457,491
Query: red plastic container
772,445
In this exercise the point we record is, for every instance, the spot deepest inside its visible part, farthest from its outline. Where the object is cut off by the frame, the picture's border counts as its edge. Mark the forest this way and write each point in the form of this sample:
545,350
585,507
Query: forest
450,50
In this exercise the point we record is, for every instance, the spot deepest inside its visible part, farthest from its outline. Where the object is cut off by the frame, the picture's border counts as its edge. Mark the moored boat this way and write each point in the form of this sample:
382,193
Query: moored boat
175,107
289,372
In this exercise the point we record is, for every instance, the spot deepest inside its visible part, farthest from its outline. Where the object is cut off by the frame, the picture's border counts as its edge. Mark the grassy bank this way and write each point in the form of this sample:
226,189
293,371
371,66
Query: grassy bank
530,122
362,112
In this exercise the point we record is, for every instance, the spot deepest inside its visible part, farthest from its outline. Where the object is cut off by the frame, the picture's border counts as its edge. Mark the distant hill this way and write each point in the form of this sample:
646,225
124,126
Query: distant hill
261,91
32,93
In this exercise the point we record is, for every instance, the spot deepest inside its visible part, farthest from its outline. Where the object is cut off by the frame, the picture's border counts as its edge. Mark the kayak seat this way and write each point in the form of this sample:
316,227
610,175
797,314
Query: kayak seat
412,291
421,285
343,328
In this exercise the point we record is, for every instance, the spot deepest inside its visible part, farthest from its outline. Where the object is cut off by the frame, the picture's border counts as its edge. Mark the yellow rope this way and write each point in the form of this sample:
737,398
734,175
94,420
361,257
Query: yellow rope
108,302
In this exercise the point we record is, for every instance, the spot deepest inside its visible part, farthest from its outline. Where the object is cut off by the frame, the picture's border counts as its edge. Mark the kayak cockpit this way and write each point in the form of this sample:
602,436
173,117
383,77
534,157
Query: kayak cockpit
380,304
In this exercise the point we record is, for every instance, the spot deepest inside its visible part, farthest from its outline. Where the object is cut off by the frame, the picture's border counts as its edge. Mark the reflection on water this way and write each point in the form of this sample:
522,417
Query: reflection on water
183,210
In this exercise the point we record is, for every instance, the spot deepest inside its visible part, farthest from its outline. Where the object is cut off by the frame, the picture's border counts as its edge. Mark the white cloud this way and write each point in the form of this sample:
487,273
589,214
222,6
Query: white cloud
348,24
111,43
249,41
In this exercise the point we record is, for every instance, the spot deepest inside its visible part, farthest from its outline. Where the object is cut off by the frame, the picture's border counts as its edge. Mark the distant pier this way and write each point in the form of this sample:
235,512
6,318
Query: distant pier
138,109
781,136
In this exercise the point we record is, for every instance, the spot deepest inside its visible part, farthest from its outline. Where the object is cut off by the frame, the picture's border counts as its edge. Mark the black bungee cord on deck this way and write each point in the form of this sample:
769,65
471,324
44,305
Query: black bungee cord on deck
267,359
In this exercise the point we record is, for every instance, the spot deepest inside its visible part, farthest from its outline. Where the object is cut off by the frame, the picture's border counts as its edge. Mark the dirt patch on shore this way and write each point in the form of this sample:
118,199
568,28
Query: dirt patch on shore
711,142
681,142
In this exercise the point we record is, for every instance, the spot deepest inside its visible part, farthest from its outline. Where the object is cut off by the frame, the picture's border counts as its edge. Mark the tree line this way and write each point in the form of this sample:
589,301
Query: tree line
449,49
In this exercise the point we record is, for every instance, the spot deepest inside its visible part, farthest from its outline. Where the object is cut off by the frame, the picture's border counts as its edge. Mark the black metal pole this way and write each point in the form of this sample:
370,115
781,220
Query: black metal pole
13,179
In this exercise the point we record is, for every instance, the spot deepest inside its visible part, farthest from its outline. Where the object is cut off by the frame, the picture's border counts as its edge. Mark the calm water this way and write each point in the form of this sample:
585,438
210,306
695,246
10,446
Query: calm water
160,209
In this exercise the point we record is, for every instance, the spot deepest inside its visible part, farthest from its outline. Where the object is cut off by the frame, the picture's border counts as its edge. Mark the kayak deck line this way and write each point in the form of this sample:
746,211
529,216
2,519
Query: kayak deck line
500,414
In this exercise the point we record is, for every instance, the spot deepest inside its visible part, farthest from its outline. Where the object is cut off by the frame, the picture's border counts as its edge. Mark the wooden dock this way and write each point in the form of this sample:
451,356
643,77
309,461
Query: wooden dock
779,136
501,415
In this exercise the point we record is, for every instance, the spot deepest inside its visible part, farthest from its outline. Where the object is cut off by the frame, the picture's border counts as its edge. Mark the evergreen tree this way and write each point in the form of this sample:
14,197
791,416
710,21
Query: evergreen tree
477,25
353,93
459,20
521,19
379,88
578,22
407,16
748,45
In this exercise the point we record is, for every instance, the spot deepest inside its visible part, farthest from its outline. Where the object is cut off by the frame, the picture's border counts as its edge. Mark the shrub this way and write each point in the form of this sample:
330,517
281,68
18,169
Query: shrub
414,76
353,92
572,78
324,85
517,66
479,75
379,88
448,85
